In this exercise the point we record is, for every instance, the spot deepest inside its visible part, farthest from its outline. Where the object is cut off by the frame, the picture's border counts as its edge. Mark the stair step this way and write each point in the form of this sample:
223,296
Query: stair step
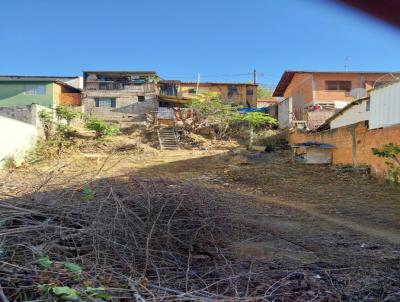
168,139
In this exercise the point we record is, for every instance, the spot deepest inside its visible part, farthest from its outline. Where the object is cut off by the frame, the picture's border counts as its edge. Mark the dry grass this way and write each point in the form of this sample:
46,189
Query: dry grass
152,239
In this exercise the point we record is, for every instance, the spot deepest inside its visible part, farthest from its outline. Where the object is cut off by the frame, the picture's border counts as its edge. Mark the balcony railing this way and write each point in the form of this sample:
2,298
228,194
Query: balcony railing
146,88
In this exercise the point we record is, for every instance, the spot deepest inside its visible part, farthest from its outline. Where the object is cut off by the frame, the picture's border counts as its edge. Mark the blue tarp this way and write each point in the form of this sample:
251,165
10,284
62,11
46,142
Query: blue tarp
314,144
250,109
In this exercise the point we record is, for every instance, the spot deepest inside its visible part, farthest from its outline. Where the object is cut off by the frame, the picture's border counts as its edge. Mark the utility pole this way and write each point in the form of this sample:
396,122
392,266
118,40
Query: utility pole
254,76
198,83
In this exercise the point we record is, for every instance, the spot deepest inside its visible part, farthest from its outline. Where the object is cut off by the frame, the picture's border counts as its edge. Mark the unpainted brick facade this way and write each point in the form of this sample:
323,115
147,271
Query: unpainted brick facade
353,144
127,105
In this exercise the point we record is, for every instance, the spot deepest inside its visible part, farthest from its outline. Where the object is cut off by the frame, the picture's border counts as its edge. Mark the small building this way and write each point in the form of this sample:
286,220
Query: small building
45,91
244,94
355,112
119,95
314,96
313,153
177,92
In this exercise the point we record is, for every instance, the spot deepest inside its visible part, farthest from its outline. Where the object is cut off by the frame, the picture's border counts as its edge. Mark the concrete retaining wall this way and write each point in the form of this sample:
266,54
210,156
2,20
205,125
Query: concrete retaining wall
27,113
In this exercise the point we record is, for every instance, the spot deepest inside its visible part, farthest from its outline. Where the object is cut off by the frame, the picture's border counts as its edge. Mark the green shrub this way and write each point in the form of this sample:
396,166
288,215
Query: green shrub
66,113
254,120
101,128
392,153
9,163
65,131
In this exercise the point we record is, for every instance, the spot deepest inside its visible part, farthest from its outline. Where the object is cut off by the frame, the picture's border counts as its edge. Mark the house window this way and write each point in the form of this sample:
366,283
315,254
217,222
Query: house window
105,102
338,85
35,89
141,98
249,92
232,90
368,105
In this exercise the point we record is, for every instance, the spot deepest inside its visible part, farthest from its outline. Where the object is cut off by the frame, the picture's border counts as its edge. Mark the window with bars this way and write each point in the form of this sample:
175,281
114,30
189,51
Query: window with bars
338,85
232,90
105,102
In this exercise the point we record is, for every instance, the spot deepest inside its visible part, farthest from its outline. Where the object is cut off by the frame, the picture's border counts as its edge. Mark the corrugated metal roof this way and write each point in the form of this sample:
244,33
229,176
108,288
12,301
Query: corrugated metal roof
48,79
116,72
34,78
385,106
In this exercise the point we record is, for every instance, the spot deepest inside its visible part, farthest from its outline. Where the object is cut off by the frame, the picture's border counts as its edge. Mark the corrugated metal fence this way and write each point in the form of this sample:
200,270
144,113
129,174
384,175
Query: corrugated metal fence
385,106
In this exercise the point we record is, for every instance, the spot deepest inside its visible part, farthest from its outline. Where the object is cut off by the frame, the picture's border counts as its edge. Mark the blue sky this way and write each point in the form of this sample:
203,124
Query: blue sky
223,40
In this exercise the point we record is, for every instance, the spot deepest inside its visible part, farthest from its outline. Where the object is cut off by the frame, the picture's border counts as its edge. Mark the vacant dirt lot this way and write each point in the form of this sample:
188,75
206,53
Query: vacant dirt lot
324,235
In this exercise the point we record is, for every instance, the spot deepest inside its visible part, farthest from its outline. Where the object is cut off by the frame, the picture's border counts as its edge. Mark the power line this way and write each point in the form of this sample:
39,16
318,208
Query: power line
249,74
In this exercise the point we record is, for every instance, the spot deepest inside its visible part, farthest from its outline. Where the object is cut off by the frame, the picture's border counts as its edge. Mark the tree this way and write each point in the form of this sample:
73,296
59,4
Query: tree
392,153
264,92
254,120
209,105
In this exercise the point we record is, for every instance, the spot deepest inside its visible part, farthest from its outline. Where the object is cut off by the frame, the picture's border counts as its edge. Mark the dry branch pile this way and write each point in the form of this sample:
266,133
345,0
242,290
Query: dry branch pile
154,240
163,239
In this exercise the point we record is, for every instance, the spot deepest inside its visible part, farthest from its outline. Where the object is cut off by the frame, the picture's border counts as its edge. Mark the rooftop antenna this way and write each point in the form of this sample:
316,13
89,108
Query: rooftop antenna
346,63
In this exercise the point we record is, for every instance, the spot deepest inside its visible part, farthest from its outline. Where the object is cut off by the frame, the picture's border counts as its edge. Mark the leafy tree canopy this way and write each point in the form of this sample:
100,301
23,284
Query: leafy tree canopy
264,92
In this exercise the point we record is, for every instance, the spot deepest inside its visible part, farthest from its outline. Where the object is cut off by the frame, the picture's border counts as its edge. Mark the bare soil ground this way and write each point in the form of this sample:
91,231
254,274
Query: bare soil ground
319,234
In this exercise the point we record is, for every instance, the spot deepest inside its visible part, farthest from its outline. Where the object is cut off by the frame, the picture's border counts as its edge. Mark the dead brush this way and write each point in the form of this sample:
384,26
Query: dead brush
66,235
159,238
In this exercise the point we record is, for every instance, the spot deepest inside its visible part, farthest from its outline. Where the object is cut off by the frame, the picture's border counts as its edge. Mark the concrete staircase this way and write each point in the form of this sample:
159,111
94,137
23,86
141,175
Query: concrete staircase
167,139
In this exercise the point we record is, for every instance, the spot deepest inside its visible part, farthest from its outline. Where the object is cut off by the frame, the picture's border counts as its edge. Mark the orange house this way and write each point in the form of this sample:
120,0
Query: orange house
244,94
330,91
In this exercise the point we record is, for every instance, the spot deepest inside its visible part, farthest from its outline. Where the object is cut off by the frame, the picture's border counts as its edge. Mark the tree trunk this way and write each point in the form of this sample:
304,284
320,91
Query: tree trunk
251,138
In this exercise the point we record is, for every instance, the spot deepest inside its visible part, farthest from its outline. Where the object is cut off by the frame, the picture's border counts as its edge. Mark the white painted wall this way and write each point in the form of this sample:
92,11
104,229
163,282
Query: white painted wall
16,138
353,115
284,111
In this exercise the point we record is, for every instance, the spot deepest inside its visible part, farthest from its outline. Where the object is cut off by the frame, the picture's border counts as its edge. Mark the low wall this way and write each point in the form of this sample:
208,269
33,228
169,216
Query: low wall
26,113
16,138
353,144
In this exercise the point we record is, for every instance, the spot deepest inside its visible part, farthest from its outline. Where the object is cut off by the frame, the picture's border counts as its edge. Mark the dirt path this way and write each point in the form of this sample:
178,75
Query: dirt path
313,208
340,229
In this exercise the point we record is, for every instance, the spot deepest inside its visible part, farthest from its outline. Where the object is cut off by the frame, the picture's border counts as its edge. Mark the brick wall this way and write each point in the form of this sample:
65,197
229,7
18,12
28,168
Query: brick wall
70,99
353,144
128,108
